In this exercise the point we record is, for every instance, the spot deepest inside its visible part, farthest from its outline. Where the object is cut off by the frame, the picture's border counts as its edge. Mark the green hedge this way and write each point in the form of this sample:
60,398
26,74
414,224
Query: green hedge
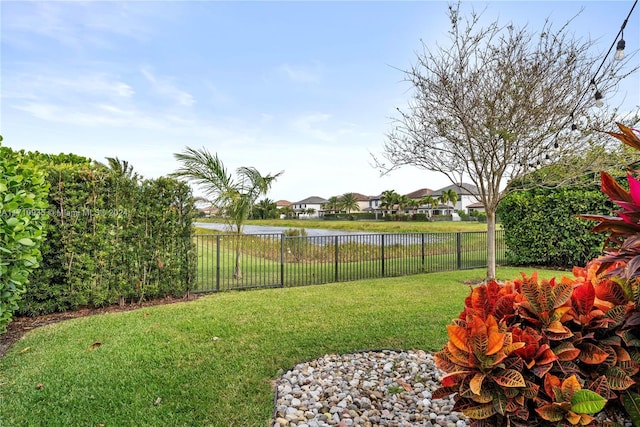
112,237
23,214
542,228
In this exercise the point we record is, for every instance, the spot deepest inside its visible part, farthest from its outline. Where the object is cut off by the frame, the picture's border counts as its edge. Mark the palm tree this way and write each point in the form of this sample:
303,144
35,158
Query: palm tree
449,195
234,197
403,202
287,211
444,198
349,203
122,168
453,197
333,204
265,209
389,199
429,201
413,205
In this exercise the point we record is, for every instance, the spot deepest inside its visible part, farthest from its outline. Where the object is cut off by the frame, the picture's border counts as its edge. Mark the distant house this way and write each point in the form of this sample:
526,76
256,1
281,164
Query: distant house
283,204
363,201
418,195
208,211
475,207
373,204
468,194
311,207
287,206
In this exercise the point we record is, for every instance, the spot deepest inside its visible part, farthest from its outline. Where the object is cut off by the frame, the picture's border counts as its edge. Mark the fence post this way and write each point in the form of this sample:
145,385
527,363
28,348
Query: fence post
336,259
282,260
459,250
382,254
422,250
218,263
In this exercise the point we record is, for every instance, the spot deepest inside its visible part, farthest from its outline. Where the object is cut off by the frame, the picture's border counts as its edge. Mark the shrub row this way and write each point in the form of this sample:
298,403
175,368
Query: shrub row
23,203
542,228
111,237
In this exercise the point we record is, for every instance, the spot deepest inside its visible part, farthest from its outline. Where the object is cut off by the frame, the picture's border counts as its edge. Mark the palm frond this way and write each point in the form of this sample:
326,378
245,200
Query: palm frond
204,169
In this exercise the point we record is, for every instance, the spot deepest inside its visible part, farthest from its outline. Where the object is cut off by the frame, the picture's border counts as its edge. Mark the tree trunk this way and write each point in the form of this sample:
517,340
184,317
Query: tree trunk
491,243
237,272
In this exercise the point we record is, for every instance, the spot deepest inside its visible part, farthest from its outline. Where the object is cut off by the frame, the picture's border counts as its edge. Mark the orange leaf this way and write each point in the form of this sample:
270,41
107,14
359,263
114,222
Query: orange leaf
545,355
404,385
458,337
496,341
476,382
572,417
509,378
551,412
551,382
570,386
556,327
627,136
592,354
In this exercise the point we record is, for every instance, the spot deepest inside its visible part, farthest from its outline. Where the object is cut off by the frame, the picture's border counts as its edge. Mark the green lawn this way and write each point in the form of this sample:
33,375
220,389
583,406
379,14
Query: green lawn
212,361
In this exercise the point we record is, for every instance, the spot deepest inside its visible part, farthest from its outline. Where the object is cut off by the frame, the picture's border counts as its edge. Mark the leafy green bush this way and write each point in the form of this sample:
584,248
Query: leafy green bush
542,226
112,238
23,214
420,217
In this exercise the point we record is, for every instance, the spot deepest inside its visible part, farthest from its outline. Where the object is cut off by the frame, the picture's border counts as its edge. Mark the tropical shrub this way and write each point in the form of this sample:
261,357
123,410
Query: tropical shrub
541,226
23,214
112,238
532,352
555,352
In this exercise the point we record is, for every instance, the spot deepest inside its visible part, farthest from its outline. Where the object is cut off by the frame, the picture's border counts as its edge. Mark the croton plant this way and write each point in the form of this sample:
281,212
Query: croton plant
533,352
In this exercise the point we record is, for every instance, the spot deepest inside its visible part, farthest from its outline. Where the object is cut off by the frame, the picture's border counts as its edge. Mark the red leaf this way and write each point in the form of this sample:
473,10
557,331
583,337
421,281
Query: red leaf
614,190
609,291
583,297
545,355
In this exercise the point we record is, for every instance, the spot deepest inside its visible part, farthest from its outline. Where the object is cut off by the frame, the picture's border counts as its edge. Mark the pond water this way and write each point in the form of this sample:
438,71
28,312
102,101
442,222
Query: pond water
264,229
321,236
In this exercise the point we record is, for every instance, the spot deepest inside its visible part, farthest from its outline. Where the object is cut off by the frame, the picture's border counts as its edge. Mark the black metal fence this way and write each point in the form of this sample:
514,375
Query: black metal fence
227,261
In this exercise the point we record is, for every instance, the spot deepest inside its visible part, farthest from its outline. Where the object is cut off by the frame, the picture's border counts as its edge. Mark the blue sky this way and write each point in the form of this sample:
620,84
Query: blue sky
304,87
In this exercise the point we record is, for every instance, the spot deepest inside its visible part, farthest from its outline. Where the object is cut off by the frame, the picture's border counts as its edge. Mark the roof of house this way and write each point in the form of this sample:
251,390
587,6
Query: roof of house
283,203
419,194
476,205
360,197
313,200
209,209
463,190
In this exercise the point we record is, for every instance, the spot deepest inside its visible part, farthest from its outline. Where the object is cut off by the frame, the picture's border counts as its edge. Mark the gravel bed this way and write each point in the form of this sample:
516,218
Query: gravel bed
371,388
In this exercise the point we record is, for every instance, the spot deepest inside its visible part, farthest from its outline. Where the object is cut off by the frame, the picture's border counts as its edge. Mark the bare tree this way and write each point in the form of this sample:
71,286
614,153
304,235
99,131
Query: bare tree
494,103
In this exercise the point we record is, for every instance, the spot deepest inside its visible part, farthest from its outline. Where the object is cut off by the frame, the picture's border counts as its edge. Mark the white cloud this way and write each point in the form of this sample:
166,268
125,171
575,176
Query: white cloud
308,126
301,74
84,85
75,24
164,86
